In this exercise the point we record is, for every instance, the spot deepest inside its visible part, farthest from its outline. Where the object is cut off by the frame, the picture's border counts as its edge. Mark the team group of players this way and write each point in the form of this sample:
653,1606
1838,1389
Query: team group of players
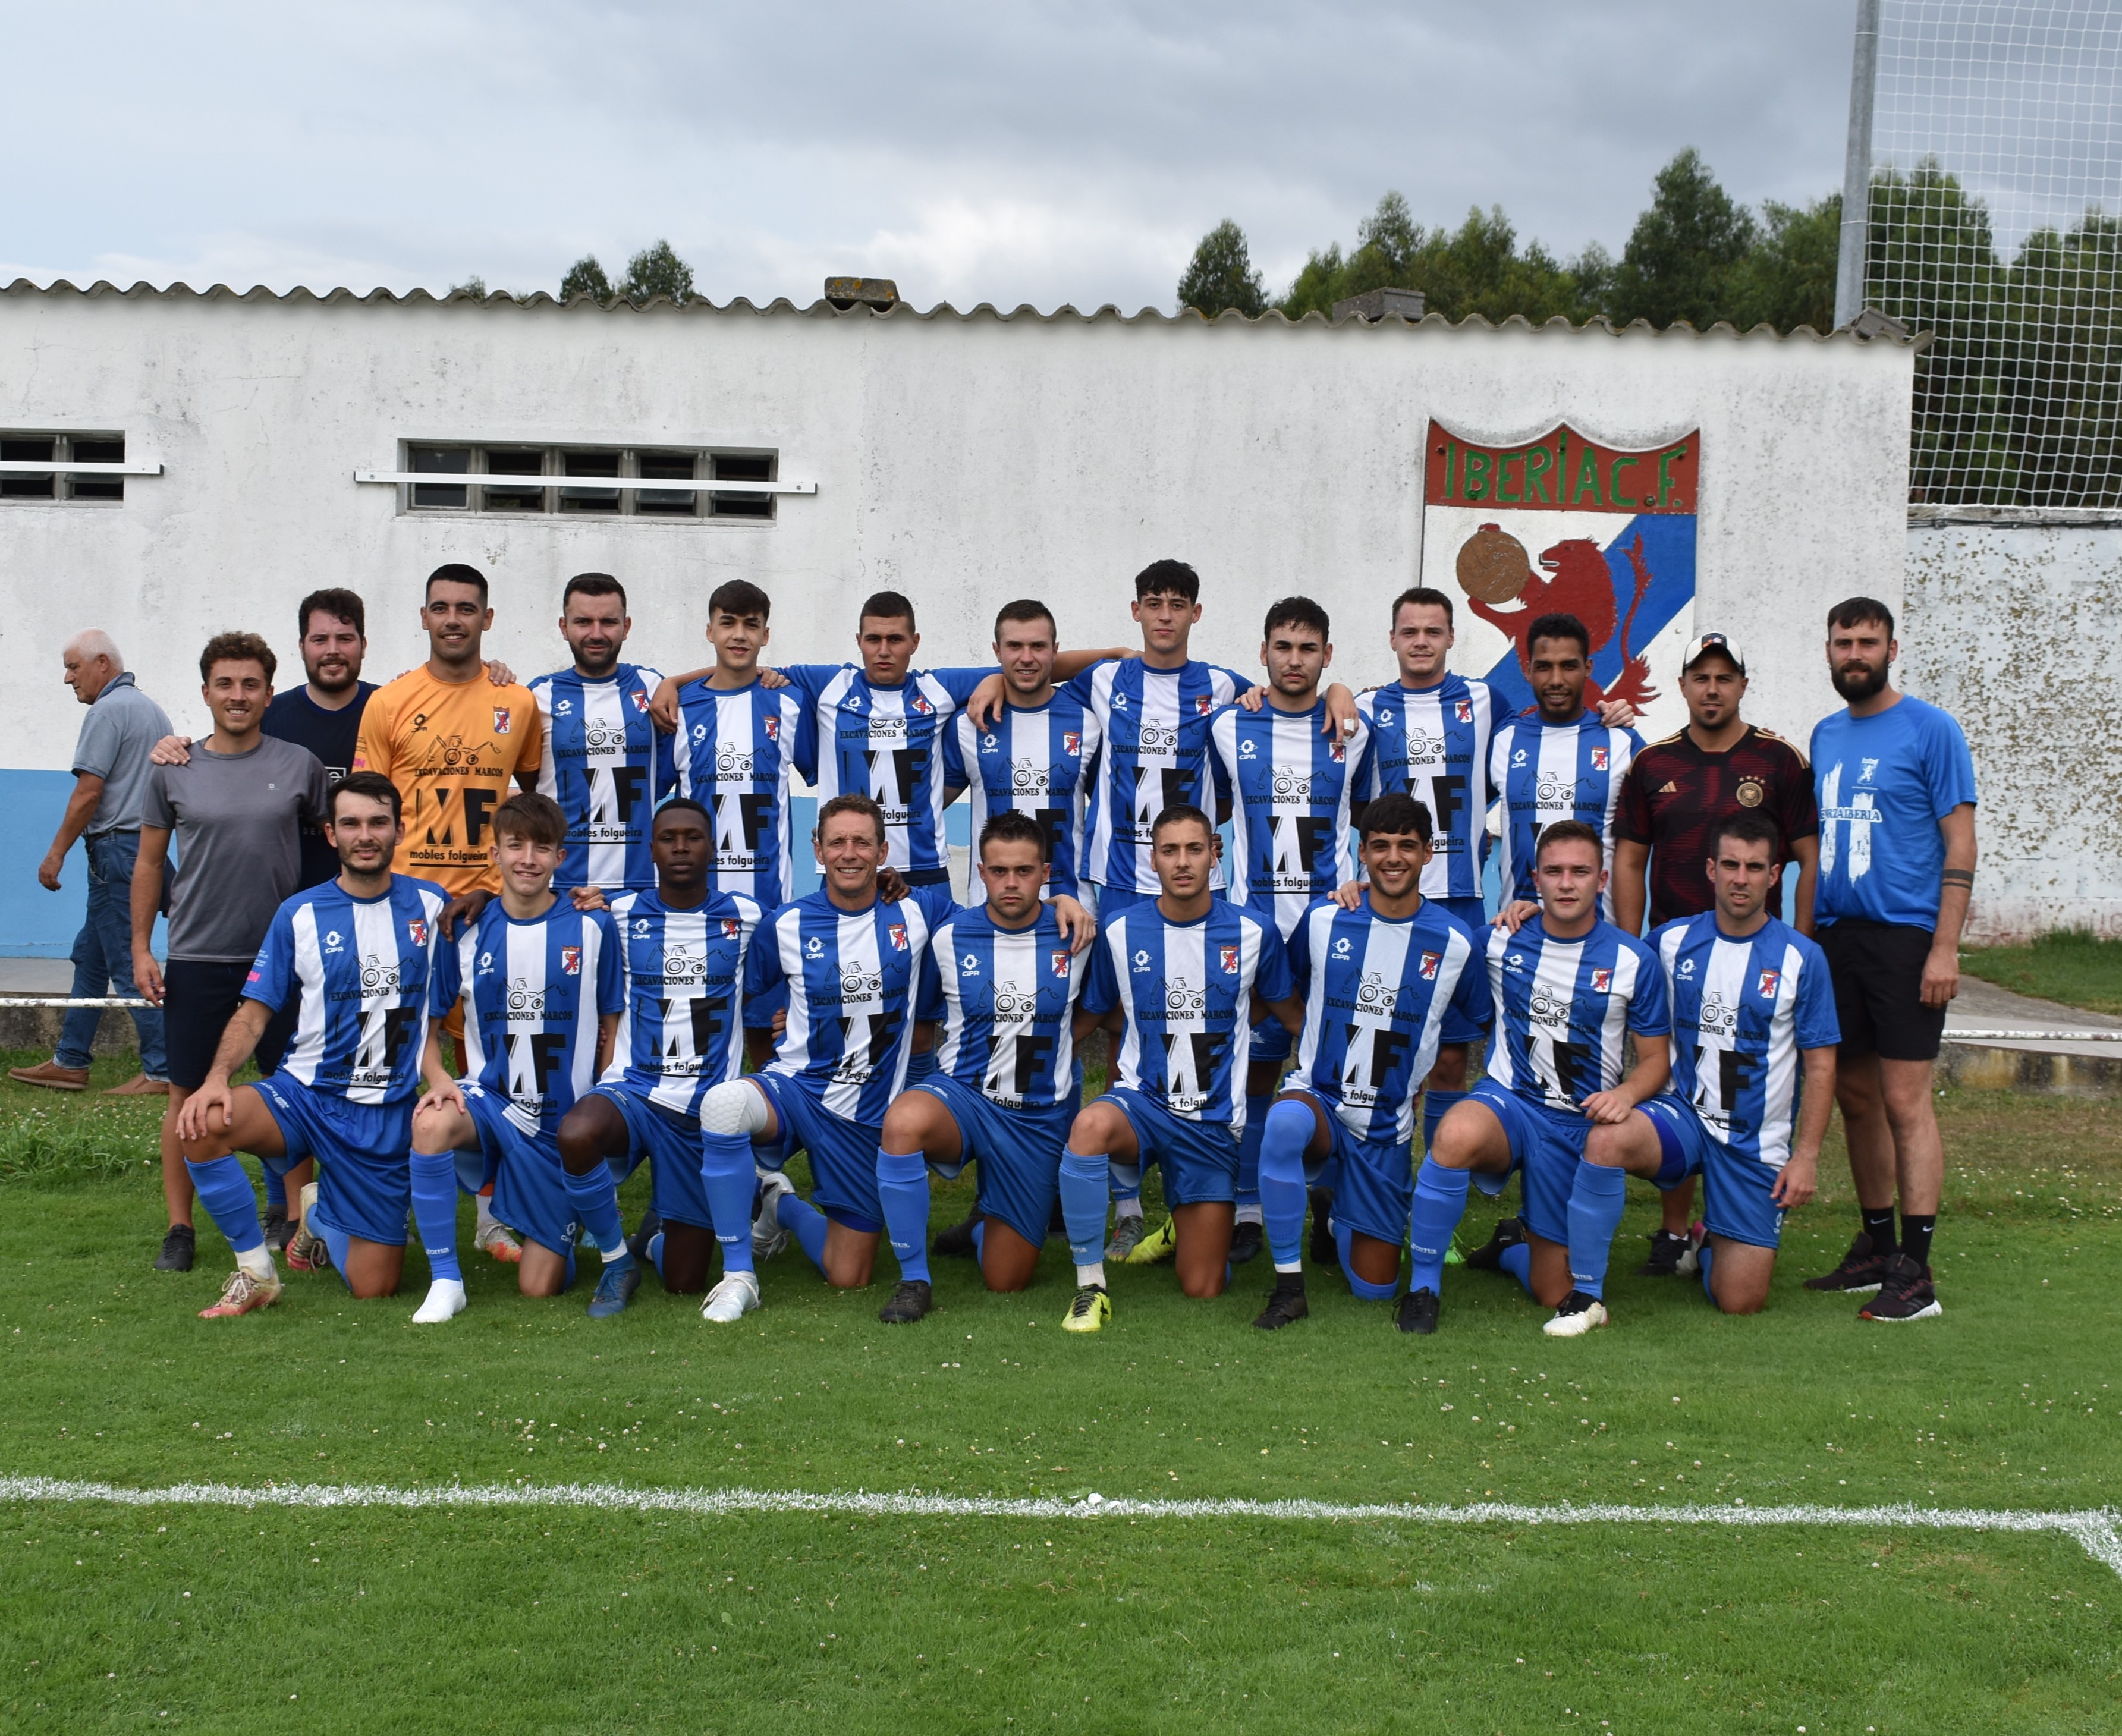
607,949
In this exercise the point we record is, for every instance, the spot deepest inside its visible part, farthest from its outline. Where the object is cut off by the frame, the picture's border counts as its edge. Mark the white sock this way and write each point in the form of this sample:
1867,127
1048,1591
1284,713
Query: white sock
258,1262
486,1218
1249,1214
1127,1208
1291,1270
1094,1273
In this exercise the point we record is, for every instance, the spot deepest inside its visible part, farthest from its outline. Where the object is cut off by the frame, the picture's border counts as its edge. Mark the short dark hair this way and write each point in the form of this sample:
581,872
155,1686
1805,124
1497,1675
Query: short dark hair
1295,612
457,572
1749,827
1571,831
528,814
739,597
1178,814
237,648
850,803
592,585
1427,596
1024,608
1174,577
373,785
1558,626
342,603
1399,814
1010,827
1857,611
686,802
888,605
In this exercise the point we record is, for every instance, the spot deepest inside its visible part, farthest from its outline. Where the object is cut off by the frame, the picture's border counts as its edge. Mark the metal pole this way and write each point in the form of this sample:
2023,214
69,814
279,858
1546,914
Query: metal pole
1857,167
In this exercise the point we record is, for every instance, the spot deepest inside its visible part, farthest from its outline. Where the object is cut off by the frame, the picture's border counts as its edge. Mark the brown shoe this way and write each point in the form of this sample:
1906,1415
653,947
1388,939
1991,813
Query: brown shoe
140,1086
50,1074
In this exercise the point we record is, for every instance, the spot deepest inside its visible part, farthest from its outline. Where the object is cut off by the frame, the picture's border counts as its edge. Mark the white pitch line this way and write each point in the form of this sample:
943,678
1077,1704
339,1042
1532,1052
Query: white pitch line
2093,1529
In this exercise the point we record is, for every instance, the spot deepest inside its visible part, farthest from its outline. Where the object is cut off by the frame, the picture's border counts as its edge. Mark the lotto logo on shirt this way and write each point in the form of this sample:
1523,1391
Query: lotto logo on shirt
1430,960
571,960
1229,955
501,720
1769,979
898,933
1602,981
1598,760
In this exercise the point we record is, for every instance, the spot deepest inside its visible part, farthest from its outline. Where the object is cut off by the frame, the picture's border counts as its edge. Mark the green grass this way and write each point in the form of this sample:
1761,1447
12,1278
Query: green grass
566,1620
2074,967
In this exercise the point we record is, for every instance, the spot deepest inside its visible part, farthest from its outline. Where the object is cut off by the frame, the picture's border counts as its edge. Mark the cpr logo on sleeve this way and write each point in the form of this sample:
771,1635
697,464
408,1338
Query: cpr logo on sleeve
502,718
1341,948
563,708
971,965
1141,960
1769,979
815,946
1602,981
641,928
571,961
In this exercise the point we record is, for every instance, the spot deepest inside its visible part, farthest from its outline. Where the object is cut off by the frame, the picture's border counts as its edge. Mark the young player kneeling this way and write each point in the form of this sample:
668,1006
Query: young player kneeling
1384,984
1003,982
1567,986
544,984
1750,999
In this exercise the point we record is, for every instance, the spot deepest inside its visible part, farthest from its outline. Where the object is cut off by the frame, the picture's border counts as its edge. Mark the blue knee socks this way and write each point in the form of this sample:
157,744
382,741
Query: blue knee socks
1287,1130
337,1242
1440,1201
1595,1198
276,1188
1086,1181
435,1211
1703,1257
1248,1154
224,1189
1434,1105
730,1180
1516,1260
1343,1239
595,1200
902,1184
804,1222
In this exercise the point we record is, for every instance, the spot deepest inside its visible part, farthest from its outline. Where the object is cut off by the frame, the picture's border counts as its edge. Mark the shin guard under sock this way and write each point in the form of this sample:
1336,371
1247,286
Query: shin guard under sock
435,1211
224,1189
1440,1201
596,1202
1248,1197
902,1185
1596,1196
1086,1184
1287,1129
731,1182
804,1222
1516,1260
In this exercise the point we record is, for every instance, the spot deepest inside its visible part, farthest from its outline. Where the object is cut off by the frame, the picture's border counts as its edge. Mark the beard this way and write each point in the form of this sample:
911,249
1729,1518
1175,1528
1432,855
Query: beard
1856,682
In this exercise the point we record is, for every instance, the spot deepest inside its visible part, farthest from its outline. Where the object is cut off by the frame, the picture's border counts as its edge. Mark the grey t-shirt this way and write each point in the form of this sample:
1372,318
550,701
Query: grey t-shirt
121,728
237,820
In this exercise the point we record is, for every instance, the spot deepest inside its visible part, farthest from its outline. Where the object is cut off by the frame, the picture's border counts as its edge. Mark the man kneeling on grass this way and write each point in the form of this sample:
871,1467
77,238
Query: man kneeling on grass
1750,998
359,950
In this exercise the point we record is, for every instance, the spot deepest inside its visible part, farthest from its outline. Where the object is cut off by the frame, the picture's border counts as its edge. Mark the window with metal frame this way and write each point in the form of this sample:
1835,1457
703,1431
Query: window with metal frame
60,467
661,483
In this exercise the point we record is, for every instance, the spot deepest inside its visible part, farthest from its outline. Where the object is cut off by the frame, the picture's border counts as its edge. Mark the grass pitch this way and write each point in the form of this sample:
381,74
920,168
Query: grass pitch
565,1618
2072,966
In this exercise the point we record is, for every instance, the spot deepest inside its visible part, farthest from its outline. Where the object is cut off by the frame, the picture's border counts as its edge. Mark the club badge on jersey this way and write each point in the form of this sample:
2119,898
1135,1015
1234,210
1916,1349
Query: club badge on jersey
1545,772
1004,1000
733,754
1432,744
1031,762
1290,788
1563,1006
606,764
685,973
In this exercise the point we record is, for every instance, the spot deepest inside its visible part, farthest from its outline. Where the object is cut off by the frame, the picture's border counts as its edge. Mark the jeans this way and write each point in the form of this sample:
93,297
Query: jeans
103,957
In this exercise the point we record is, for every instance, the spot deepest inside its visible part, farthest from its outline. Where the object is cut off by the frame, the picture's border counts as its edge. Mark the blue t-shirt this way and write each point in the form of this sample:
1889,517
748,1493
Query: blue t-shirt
1884,782
1289,788
361,966
1035,761
733,754
1563,1007
1005,999
686,974
606,765
536,990
1432,743
1741,1011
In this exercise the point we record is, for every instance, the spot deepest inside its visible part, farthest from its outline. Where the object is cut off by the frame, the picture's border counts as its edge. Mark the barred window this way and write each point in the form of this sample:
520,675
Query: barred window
597,482
37,466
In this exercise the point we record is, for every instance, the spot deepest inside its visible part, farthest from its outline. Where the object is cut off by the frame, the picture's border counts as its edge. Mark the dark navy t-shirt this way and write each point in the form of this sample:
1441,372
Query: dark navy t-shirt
330,735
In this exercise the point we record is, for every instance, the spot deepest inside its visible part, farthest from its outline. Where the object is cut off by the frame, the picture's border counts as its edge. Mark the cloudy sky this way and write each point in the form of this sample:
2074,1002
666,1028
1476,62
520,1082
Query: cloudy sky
1070,151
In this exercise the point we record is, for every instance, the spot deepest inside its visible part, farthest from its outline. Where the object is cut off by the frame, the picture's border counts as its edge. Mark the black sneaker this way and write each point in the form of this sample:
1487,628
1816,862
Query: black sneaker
909,1303
178,1247
1417,1312
1860,1270
956,1243
277,1231
1489,1256
1285,1306
1904,1294
1324,1250
1666,1250
1246,1241
636,1245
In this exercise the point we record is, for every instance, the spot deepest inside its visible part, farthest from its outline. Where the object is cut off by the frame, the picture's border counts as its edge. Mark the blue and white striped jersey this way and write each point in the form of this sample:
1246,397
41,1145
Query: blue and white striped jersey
1563,1007
1549,771
1187,990
606,764
733,754
1290,789
1432,743
685,974
852,978
1033,762
1154,724
886,743
361,966
1375,992
536,991
1005,998
1741,1011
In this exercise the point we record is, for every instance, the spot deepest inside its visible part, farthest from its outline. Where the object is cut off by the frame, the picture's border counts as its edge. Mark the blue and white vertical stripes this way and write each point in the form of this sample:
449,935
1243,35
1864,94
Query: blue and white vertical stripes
685,974
733,754
1033,761
606,764
1006,999
1550,772
1432,743
1563,1006
1290,788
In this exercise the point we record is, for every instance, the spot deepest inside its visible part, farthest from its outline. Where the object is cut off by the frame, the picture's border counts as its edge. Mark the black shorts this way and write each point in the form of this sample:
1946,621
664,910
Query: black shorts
199,996
1877,968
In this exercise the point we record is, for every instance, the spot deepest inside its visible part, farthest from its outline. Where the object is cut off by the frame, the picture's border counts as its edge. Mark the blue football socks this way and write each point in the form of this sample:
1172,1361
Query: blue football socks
1085,1180
902,1185
1595,1198
1703,1257
1516,1260
275,1187
435,1211
596,1202
1248,1154
1287,1129
730,1180
337,1244
1344,1240
1440,1201
1435,1104
804,1222
225,1190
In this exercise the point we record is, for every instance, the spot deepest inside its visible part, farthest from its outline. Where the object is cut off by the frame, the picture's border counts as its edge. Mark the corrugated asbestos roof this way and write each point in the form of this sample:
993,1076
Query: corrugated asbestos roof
824,310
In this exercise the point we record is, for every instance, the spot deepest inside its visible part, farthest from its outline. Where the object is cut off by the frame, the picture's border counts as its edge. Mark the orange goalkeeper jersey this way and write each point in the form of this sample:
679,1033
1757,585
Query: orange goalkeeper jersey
453,749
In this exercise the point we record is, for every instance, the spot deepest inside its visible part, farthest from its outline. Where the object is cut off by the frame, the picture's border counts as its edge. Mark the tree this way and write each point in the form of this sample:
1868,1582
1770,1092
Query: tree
474,285
586,278
1683,259
1789,279
657,271
1220,275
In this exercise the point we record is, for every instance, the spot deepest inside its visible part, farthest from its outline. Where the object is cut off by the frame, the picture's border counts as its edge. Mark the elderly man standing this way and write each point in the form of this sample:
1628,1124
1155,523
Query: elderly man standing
110,773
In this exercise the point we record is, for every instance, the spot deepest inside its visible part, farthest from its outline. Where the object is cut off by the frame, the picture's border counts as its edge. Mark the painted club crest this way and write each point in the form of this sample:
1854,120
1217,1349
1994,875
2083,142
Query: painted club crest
1563,523
1059,961
417,926
1430,961
1229,956
1769,979
898,933
502,719
571,961
1602,981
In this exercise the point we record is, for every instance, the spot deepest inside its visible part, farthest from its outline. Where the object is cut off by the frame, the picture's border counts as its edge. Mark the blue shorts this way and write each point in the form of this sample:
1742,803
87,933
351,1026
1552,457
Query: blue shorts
364,1149
1199,1158
1736,1201
842,1153
758,1010
1373,1180
1457,1028
670,1140
1546,1147
1019,1152
530,1182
